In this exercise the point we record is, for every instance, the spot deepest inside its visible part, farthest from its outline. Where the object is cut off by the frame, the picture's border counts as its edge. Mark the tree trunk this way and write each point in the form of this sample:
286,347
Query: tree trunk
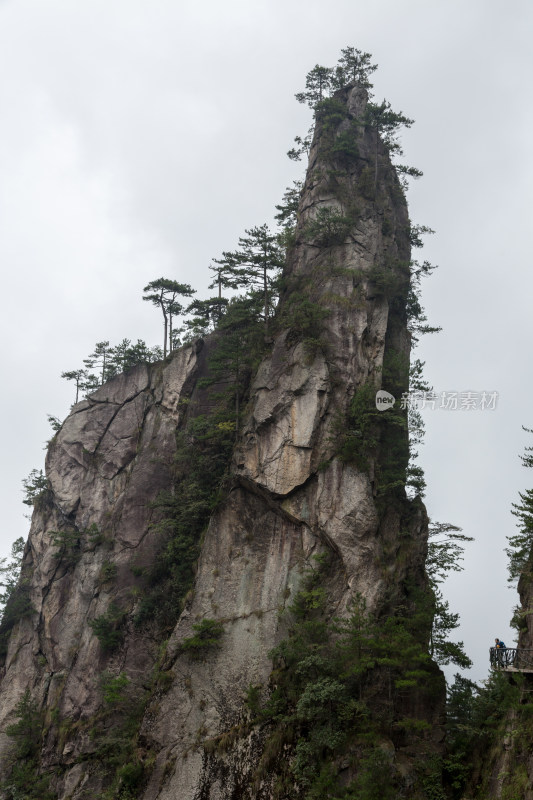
166,331
265,287
376,163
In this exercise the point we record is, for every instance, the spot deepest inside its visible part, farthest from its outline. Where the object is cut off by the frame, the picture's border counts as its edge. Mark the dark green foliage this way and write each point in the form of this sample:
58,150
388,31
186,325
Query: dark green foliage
238,353
130,779
520,547
55,422
387,123
15,603
353,67
17,607
255,266
477,721
114,688
337,146
67,543
344,147
107,628
329,227
37,490
164,293
390,279
519,619
10,571
26,733
381,436
207,315
317,86
416,232
367,184
206,637
110,361
115,734
99,359
203,452
288,208
481,718
303,145
520,550
359,434
330,113
339,686
23,780
441,648
108,571
445,550
375,780
404,172
416,317
302,313
84,382
96,537
126,355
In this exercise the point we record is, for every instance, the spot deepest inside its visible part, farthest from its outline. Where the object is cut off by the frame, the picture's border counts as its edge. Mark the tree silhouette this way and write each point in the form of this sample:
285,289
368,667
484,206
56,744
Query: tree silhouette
164,293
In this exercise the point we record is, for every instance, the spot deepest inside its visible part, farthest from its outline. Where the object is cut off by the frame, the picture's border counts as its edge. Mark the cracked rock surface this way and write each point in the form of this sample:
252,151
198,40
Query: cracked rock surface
290,497
106,465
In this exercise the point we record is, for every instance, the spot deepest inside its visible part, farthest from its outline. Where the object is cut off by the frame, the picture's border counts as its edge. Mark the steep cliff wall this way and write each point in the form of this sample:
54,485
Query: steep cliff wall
289,496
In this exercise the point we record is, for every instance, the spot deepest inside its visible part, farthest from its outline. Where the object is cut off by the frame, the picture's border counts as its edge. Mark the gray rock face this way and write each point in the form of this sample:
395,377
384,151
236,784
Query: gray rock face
290,498
294,496
106,466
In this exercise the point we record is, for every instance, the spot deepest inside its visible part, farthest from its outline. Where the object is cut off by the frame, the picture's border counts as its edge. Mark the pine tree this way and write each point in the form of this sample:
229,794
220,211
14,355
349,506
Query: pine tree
387,124
10,571
288,210
238,347
99,358
207,314
353,67
520,550
164,293
84,381
445,552
255,265
318,83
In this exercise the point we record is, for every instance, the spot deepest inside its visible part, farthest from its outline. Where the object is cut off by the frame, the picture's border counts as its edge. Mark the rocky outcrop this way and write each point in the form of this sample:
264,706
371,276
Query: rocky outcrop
292,495
289,497
106,465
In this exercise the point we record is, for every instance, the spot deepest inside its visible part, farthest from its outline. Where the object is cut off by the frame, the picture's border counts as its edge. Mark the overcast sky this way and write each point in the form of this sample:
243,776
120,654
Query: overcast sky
139,138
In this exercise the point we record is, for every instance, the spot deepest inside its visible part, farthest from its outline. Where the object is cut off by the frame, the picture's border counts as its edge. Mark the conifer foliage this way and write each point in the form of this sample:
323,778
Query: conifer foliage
520,550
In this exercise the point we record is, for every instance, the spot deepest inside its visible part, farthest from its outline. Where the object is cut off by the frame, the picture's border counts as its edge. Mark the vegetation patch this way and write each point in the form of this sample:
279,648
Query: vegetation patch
108,628
338,690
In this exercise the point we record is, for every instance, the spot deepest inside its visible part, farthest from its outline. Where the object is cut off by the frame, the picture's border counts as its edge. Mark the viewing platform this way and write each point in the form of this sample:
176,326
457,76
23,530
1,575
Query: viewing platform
512,659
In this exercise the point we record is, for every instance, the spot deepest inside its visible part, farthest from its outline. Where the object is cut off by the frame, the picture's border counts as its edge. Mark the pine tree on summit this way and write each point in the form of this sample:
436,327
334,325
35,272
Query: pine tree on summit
354,67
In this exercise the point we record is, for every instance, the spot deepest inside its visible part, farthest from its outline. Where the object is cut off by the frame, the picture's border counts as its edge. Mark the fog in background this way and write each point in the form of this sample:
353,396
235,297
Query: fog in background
139,138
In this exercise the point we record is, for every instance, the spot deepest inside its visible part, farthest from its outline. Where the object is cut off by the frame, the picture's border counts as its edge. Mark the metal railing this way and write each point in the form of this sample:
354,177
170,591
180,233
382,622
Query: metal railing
511,657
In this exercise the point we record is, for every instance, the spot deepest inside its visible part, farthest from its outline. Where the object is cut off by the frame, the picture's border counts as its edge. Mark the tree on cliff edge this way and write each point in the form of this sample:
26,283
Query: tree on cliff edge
164,293
520,550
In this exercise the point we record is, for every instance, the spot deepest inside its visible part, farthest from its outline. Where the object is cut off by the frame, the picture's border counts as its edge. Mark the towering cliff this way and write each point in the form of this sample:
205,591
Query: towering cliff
315,470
